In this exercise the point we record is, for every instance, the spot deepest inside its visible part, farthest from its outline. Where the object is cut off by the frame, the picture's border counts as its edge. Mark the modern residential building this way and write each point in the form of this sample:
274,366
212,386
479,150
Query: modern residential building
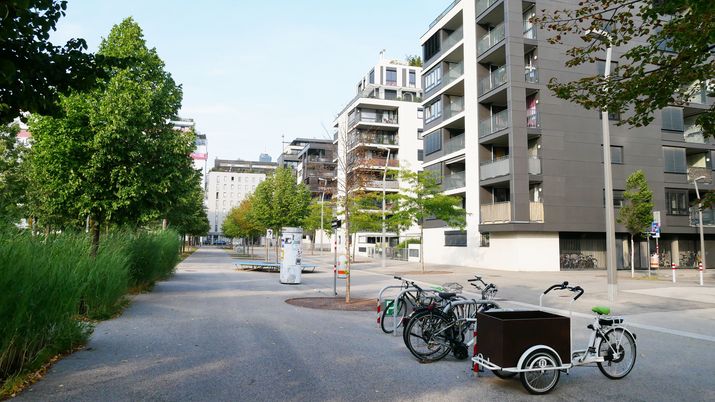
200,154
228,183
529,165
379,129
265,158
317,168
289,156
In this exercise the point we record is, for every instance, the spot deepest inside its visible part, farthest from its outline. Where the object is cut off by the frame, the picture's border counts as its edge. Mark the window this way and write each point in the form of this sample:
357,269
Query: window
455,238
232,178
391,76
390,94
672,118
484,240
601,67
612,115
420,155
433,111
420,113
371,79
433,78
674,160
431,47
432,142
217,195
676,202
412,79
616,154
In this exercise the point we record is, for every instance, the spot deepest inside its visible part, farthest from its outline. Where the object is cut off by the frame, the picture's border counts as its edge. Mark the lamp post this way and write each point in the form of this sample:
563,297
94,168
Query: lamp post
384,191
700,225
322,202
612,277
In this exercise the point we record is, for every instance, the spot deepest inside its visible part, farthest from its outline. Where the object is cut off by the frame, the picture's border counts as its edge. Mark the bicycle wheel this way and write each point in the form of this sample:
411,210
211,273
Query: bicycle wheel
387,321
618,349
427,336
504,375
544,376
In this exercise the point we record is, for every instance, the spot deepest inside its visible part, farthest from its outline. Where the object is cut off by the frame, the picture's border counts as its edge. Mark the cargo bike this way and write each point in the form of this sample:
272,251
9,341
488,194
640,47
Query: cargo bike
536,344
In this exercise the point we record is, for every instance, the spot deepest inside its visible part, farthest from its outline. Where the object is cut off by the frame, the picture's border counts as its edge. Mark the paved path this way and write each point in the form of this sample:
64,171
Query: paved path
212,333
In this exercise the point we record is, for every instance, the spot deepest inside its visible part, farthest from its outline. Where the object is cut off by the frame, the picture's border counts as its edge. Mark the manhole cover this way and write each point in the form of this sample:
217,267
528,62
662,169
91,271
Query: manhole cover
333,303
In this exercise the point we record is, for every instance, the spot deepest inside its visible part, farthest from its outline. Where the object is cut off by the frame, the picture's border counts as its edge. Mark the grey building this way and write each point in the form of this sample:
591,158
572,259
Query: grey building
529,165
317,168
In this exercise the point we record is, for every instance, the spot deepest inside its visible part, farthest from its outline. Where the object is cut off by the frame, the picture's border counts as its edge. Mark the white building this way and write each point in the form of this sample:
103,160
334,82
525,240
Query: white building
228,183
381,126
200,154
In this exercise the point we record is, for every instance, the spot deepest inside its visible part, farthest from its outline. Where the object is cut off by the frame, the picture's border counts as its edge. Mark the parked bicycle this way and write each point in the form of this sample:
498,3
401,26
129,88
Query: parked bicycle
432,332
538,350
413,297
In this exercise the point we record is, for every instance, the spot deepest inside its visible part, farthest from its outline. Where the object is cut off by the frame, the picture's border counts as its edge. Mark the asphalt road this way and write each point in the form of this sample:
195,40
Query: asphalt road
213,333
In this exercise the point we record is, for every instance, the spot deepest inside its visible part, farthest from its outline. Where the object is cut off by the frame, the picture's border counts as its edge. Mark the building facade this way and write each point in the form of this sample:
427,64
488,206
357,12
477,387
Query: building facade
200,154
379,129
529,165
228,183
317,168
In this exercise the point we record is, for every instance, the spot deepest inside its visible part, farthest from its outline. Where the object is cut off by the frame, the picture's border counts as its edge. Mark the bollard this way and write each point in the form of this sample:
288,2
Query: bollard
700,268
672,265
475,366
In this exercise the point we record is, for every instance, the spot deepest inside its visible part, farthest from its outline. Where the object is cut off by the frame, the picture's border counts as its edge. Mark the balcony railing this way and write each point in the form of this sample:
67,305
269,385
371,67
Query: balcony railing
499,212
453,74
494,36
380,118
529,30
454,144
532,118
443,13
694,133
319,159
377,162
456,106
708,217
534,165
482,5
453,38
383,139
389,184
536,212
700,97
495,79
531,74
498,121
495,168
453,181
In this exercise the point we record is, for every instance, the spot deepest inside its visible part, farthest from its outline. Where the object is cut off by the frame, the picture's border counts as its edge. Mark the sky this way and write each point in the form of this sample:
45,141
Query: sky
252,71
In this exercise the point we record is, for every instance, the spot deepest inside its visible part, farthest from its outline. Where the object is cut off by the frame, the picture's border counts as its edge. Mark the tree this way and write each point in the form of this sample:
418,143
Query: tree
188,216
280,202
33,71
414,60
113,156
423,199
668,55
241,222
311,223
637,214
13,178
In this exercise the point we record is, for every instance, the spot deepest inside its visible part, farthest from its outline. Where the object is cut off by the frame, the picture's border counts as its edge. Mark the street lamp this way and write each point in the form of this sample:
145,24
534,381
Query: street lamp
384,191
607,175
322,202
700,225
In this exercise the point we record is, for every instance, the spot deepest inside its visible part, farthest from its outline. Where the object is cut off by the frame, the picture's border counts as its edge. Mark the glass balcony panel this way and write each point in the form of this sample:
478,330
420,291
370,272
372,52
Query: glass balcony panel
534,165
532,118
454,144
496,168
453,181
389,184
531,74
496,122
456,106
494,36
495,79
708,217
482,5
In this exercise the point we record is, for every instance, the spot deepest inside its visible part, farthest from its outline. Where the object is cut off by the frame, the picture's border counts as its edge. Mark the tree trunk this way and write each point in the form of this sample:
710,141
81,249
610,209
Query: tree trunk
633,267
164,224
95,239
347,252
422,240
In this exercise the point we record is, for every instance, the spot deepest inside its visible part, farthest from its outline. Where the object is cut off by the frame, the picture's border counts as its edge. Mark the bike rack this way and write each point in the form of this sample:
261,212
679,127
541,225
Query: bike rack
380,299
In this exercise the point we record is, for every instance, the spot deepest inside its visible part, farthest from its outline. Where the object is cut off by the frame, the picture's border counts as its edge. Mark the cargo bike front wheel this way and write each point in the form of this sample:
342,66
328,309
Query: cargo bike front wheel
540,372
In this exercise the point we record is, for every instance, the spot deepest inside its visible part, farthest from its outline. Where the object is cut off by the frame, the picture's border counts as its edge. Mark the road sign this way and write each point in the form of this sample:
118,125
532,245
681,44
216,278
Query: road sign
335,224
655,230
269,233
656,217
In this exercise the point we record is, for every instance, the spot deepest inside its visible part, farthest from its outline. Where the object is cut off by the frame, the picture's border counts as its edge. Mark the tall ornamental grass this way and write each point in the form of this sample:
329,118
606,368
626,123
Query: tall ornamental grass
50,286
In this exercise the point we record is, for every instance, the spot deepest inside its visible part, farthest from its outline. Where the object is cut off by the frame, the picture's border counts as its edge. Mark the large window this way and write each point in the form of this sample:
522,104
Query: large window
431,47
433,111
390,76
601,67
433,78
674,160
676,202
616,154
412,79
432,142
672,118
371,79
455,238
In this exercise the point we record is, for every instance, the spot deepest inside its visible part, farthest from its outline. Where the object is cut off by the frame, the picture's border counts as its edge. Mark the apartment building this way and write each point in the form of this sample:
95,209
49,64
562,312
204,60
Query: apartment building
529,165
379,129
200,154
317,168
228,183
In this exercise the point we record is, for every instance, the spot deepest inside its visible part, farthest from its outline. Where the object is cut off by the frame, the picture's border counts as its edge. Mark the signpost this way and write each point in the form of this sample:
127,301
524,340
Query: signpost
335,224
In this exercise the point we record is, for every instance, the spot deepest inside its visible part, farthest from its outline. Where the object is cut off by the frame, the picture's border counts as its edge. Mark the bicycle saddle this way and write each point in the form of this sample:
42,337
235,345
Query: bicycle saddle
600,310
446,295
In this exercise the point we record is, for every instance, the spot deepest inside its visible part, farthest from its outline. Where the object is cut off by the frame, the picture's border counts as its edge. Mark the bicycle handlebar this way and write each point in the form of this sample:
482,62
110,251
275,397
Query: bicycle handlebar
559,286
399,278
578,289
565,286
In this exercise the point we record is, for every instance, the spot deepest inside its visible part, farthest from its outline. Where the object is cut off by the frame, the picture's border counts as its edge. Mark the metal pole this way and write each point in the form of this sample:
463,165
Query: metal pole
608,181
322,202
700,225
384,190
335,263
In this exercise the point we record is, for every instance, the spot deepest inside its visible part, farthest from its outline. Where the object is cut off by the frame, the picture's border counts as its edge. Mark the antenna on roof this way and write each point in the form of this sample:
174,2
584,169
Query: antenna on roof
382,54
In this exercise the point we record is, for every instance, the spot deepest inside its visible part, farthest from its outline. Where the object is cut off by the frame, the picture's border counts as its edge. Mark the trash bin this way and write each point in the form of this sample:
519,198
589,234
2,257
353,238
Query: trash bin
291,241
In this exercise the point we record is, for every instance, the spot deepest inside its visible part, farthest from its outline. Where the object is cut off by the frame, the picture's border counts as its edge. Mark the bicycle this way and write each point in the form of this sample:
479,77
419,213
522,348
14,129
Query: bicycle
536,352
407,300
432,333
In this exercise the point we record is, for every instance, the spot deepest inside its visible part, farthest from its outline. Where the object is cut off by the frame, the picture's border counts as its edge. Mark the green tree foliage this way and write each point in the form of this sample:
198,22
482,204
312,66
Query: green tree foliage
280,202
113,155
414,60
668,54
311,223
424,199
188,216
33,71
637,214
13,178
241,222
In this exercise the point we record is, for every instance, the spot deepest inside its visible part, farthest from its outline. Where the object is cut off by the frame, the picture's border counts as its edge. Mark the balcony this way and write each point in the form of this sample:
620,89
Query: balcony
443,13
693,133
373,138
380,118
536,212
494,36
453,74
498,121
497,167
534,165
445,45
499,212
454,144
319,159
495,79
482,5
389,184
453,181
531,75
532,118
455,106
708,217
376,162
700,97
529,30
